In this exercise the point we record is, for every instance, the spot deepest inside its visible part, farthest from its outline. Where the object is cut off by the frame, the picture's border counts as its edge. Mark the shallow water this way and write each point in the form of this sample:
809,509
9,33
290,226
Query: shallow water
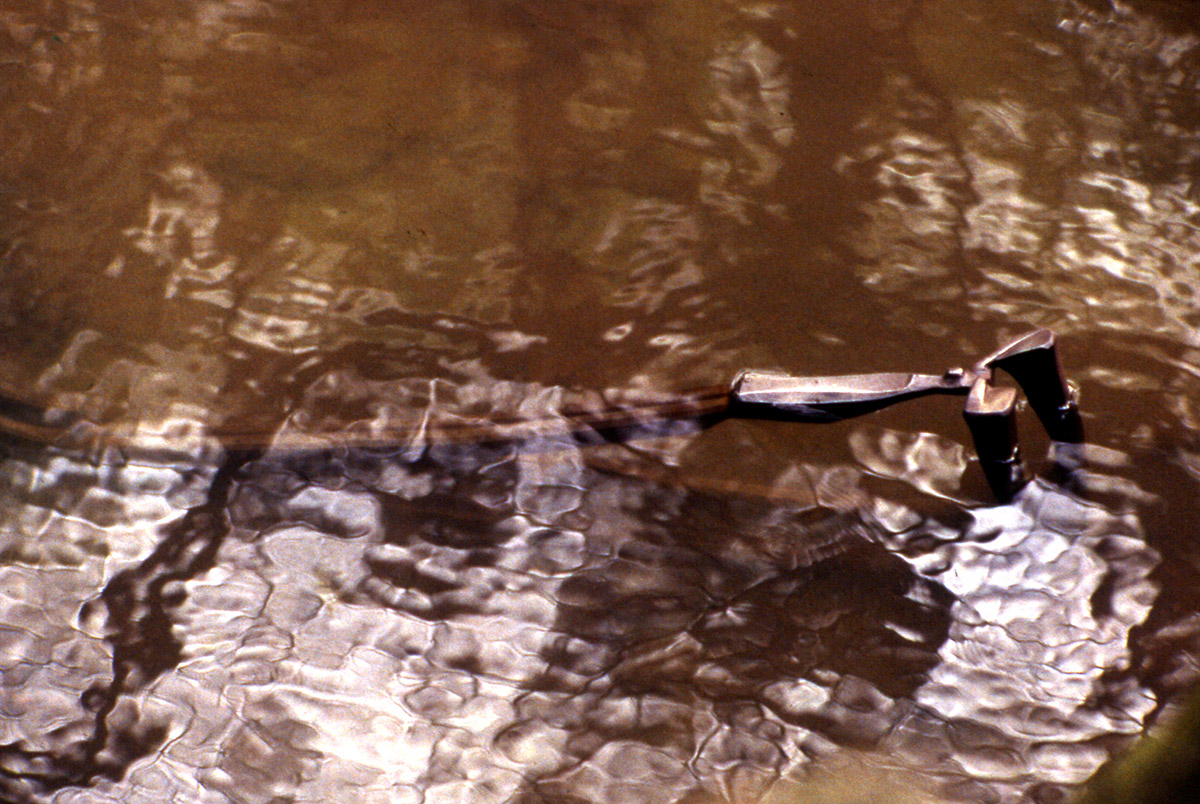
357,236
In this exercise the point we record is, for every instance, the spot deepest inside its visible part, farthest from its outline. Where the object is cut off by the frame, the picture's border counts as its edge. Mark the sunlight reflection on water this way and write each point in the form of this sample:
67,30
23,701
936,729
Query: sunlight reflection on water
306,228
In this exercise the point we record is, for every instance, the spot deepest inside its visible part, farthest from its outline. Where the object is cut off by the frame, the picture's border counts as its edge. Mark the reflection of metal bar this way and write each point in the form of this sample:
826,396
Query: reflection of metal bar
27,421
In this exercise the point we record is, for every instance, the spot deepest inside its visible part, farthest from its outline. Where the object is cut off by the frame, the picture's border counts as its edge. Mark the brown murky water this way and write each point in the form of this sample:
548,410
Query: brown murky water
318,225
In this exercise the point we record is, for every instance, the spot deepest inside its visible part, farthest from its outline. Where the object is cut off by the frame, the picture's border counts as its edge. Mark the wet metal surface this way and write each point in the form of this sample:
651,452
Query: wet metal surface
503,229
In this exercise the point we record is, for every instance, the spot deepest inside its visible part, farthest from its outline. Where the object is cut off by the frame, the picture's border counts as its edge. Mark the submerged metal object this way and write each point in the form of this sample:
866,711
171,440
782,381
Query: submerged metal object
1031,360
990,410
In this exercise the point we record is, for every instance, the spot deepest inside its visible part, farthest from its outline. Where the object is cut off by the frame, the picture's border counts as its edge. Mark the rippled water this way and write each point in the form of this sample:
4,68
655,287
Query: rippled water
326,301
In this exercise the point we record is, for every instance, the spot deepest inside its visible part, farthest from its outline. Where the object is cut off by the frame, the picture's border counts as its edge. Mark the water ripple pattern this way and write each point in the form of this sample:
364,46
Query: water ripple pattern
362,383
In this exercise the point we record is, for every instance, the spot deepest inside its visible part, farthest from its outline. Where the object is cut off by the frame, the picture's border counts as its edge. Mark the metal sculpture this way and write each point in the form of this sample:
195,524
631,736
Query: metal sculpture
990,411
1031,360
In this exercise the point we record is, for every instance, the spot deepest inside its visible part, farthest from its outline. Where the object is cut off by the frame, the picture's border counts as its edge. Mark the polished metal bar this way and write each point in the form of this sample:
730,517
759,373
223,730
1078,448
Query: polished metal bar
770,395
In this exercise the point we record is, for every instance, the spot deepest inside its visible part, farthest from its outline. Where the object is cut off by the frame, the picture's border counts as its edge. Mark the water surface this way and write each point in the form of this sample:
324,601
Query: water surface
340,231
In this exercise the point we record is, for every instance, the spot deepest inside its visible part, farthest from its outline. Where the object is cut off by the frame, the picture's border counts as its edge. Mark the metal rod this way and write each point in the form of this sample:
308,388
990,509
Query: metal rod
770,395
